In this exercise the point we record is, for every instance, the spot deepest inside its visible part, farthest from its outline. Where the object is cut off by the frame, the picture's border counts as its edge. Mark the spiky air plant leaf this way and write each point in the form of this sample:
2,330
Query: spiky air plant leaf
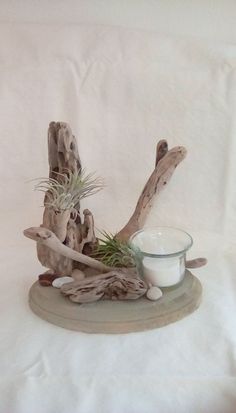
69,189
113,252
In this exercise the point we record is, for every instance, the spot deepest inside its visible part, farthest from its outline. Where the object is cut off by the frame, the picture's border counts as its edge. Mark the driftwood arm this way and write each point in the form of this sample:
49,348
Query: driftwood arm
166,162
49,239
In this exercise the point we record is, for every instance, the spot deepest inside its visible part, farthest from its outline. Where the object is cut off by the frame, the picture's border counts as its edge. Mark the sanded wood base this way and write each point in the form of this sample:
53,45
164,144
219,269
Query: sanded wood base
117,316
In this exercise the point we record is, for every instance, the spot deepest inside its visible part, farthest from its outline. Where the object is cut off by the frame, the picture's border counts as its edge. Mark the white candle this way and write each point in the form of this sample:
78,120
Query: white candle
163,272
161,254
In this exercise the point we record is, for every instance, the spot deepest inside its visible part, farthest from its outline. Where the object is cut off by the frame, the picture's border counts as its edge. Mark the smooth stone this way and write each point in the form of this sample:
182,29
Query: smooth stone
78,275
154,293
46,279
58,282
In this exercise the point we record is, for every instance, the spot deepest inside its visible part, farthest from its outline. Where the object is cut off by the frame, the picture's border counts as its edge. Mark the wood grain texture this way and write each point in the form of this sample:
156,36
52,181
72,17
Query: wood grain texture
67,225
118,284
46,238
63,152
165,164
117,316
196,263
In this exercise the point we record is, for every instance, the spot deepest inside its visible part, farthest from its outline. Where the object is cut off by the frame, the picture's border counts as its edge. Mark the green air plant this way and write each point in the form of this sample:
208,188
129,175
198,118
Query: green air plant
113,252
68,189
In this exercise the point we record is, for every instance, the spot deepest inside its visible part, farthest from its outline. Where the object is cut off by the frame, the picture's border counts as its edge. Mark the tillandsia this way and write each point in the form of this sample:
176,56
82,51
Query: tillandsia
69,189
113,252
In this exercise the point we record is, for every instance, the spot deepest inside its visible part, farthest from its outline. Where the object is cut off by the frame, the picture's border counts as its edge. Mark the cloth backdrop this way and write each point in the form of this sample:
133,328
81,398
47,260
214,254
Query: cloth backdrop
121,91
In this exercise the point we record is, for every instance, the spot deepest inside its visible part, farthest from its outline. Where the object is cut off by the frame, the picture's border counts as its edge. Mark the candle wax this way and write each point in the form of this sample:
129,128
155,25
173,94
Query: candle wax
163,272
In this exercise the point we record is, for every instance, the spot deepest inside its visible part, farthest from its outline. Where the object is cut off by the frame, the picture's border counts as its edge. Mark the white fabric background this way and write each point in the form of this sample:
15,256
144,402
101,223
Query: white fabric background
121,90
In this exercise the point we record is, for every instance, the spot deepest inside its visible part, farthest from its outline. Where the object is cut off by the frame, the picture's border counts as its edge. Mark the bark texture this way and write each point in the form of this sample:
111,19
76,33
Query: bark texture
114,285
63,156
48,242
165,164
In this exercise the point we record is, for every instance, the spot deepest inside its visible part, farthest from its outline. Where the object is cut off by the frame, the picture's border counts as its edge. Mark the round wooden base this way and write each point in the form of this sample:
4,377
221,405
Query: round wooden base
117,316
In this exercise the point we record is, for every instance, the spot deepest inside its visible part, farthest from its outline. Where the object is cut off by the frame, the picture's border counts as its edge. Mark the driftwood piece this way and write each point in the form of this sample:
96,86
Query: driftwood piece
166,162
114,285
161,150
62,149
63,156
82,233
73,236
57,221
67,225
47,239
196,263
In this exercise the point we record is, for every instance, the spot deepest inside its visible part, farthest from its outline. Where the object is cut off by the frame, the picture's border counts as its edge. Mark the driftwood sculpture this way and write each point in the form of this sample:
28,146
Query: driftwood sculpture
66,239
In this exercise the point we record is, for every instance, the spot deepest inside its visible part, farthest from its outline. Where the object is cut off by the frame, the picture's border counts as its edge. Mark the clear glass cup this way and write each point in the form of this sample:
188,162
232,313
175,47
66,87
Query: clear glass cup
160,254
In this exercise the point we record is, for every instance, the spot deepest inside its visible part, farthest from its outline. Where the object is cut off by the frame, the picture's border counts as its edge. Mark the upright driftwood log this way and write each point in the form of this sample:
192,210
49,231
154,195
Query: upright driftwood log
67,225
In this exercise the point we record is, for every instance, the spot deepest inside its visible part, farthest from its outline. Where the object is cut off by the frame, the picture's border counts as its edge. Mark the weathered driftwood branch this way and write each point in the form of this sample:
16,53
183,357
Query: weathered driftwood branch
73,236
114,285
196,263
46,238
166,162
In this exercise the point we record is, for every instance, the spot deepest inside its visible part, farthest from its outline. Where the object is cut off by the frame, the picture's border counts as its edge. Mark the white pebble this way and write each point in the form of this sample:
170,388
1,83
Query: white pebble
154,293
58,282
78,275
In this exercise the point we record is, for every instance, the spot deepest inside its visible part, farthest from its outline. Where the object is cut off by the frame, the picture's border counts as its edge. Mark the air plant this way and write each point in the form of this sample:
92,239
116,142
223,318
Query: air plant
113,252
69,189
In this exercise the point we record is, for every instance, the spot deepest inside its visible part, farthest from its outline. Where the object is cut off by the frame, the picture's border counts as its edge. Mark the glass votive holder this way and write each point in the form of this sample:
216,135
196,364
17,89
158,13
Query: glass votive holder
160,254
